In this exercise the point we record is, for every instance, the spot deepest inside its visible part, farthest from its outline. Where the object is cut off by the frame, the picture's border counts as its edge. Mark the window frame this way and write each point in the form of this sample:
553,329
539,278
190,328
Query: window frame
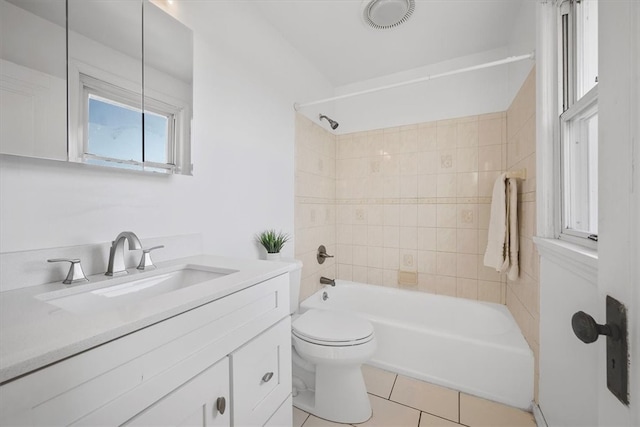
85,79
571,108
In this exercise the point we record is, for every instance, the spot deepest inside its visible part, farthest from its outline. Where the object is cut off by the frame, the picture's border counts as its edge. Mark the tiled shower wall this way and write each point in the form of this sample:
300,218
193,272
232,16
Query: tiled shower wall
315,193
413,202
523,295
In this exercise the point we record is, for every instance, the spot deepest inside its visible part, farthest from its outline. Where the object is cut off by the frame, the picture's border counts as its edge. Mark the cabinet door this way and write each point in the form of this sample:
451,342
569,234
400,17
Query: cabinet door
261,375
193,404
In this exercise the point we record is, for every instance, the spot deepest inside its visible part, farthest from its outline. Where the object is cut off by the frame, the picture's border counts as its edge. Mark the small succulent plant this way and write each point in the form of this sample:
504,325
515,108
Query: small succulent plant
272,241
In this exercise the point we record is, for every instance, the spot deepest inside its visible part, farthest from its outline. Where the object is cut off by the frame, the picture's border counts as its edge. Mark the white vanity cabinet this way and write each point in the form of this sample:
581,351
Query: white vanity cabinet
178,371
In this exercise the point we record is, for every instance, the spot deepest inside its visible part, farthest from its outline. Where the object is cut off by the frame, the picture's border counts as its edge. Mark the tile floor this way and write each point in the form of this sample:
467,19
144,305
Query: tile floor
399,401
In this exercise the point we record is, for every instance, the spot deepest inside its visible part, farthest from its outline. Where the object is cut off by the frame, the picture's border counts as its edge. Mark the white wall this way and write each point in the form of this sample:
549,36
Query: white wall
246,79
521,41
466,94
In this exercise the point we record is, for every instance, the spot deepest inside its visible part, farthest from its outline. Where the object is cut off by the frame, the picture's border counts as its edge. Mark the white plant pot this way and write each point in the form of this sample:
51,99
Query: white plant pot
273,257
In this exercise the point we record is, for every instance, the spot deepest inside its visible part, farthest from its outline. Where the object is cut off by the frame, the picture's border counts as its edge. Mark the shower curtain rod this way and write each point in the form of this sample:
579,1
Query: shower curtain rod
508,60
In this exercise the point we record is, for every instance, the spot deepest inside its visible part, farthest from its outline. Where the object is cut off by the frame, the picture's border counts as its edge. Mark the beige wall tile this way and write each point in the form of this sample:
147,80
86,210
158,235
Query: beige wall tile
467,266
467,288
391,236
490,158
475,411
427,263
391,259
446,161
447,134
467,159
446,215
467,241
468,132
426,215
408,260
446,240
467,184
409,237
446,285
427,240
374,276
490,291
490,131
467,216
430,398
409,215
427,185
427,137
427,162
446,264
359,274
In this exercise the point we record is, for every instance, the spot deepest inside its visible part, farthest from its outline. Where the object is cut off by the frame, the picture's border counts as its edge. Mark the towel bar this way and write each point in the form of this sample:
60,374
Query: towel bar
520,174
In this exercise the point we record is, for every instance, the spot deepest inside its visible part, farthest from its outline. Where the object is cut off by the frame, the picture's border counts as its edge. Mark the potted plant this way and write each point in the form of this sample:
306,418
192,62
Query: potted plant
272,242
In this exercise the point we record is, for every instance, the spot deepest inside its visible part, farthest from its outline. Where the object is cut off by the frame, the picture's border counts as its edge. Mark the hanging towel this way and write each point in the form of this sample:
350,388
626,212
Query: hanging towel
496,255
513,244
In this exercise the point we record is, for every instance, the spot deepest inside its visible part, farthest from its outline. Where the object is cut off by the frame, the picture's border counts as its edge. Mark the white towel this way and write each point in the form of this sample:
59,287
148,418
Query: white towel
495,255
502,241
512,208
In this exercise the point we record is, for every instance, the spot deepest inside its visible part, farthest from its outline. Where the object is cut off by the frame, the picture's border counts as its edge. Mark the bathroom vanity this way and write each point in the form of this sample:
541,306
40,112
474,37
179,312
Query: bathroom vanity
216,352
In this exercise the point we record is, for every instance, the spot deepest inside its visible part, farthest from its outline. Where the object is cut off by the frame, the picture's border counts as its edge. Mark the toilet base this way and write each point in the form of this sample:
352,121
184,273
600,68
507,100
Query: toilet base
340,395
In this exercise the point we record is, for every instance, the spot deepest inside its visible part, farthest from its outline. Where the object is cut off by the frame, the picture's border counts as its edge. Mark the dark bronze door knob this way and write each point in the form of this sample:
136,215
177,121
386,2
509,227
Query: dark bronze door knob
588,331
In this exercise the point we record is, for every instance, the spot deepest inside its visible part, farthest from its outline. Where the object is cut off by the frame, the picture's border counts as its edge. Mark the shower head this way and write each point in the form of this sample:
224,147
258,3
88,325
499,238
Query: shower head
334,125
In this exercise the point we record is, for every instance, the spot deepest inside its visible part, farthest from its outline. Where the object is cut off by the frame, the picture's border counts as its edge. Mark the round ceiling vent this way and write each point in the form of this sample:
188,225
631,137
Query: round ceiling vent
384,14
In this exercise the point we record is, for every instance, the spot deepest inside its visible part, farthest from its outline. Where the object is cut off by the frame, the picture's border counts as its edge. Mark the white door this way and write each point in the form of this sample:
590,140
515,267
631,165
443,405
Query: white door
619,191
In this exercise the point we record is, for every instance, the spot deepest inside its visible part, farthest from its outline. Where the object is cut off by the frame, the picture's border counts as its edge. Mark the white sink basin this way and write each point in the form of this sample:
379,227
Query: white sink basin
129,290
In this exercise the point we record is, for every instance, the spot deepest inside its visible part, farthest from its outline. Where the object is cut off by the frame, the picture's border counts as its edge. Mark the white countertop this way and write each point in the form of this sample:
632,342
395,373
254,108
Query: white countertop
34,334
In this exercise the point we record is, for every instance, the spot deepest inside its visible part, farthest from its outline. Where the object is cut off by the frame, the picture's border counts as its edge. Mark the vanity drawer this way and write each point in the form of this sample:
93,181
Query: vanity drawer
194,403
261,376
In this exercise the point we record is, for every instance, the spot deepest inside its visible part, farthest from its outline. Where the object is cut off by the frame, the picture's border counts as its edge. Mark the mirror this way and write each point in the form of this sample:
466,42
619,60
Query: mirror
33,87
129,83
168,90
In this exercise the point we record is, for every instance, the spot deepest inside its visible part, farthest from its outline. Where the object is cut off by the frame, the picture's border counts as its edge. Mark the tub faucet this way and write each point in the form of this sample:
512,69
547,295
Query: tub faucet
327,281
116,254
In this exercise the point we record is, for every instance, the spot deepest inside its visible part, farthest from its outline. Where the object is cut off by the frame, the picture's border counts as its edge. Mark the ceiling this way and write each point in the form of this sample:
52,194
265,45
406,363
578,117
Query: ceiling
333,37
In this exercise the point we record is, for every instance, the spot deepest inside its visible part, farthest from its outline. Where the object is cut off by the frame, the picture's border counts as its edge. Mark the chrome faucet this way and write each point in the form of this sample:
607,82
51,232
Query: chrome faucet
116,254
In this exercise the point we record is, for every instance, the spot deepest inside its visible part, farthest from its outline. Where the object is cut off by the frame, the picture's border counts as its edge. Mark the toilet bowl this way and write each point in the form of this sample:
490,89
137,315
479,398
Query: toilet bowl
328,351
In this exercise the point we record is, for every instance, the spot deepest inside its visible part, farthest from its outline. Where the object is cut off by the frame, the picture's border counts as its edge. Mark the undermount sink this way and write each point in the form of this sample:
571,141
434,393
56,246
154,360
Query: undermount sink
128,290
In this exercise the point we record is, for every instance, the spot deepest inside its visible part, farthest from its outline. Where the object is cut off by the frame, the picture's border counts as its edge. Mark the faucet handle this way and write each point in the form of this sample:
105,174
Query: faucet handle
75,273
145,262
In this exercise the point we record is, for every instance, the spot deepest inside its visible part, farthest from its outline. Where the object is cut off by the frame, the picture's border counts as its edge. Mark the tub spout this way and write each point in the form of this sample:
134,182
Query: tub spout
326,281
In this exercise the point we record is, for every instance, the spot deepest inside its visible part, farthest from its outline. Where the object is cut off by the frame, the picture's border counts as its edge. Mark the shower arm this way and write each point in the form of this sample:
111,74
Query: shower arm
509,60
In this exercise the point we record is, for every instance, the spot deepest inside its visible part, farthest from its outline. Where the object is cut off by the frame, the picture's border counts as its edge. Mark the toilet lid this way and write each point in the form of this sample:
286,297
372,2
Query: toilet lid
331,327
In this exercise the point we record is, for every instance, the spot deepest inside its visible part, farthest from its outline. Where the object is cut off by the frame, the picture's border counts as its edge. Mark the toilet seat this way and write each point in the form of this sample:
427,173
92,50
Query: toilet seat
332,328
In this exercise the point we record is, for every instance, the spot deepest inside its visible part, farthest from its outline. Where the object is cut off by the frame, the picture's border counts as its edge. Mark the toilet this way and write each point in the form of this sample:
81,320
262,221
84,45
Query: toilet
329,348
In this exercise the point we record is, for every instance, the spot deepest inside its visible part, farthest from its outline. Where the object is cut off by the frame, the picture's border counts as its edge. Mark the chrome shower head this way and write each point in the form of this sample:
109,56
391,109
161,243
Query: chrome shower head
334,125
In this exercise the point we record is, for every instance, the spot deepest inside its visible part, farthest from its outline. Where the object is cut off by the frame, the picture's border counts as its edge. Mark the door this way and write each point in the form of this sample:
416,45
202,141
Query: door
203,401
619,190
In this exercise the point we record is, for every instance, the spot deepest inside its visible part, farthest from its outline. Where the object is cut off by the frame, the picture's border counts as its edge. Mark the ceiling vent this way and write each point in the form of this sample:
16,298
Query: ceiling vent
385,14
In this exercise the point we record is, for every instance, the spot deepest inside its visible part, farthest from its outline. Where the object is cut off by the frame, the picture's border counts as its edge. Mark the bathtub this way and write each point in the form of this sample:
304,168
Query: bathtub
471,346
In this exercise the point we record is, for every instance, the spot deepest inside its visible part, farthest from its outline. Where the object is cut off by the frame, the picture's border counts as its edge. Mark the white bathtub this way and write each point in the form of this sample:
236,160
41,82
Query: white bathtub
471,346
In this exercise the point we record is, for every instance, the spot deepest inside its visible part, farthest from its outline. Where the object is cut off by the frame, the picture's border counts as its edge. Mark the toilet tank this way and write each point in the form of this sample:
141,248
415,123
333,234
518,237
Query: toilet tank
295,275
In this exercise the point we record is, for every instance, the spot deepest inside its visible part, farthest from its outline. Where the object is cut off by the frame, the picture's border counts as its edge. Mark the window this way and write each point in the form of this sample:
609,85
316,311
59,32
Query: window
115,130
579,121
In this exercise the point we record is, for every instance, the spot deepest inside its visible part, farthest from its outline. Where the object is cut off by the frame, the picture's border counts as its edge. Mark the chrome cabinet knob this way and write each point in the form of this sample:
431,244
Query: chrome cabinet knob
267,377
75,274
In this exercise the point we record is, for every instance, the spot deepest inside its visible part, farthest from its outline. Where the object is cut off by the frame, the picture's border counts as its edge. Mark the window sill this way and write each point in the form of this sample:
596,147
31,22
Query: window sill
575,258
